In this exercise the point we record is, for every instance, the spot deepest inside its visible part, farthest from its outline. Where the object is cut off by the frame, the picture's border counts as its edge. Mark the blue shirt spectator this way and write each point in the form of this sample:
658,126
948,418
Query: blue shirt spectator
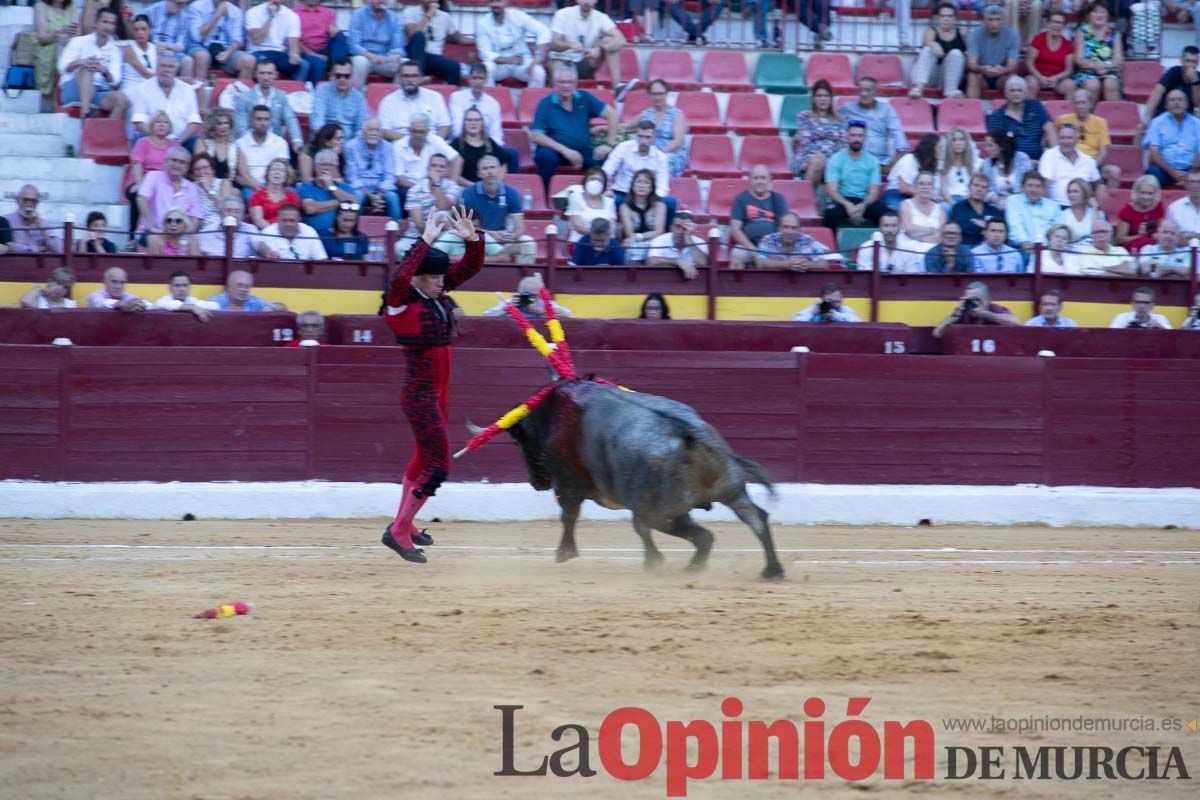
492,212
370,169
309,190
348,110
854,176
570,128
169,28
228,30
1029,219
996,259
253,303
971,221
936,261
586,254
1176,137
379,36
885,134
1029,130
348,248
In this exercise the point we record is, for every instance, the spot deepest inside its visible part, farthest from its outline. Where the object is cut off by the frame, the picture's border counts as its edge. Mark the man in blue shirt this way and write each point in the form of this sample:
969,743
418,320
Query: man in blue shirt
1030,215
170,23
598,247
1027,120
371,169
993,254
218,37
321,197
498,213
336,100
951,255
885,134
561,127
237,297
376,41
1173,140
852,178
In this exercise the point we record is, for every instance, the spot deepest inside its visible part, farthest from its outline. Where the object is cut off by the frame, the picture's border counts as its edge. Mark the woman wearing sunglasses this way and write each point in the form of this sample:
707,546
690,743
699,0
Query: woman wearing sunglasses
344,241
173,239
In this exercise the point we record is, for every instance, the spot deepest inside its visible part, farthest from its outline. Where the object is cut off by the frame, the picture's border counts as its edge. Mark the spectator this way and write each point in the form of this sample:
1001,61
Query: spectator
169,95
1082,211
812,14
973,212
695,28
428,28
1029,214
274,33
679,248
258,149
1192,321
1168,258
211,189
1183,11
597,247
218,39
321,197
218,143
588,200
1098,54
1138,219
583,38
829,308
398,108
321,42
310,327
29,232
113,295
91,10
852,182
789,248
264,94
328,137
1173,141
528,299
245,236
670,126
921,218
473,144
237,295
412,154
943,54
643,216
376,41
975,307
993,53
1004,166
1025,16
371,169
1050,58
1142,315
891,257
89,69
1057,257
635,155
139,57
902,177
1026,120
473,97
344,241
655,307
1185,212
1092,137
54,24
170,21
1185,77
434,193
950,255
755,213
266,203
93,239
179,297
1063,163
561,126
958,165
338,102
993,254
173,238
1101,256
497,206
1050,312
885,135
55,293
820,133
160,191
290,239
502,37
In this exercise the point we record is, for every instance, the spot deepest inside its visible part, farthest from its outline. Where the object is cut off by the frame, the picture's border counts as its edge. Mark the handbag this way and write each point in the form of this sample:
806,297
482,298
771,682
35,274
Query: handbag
19,75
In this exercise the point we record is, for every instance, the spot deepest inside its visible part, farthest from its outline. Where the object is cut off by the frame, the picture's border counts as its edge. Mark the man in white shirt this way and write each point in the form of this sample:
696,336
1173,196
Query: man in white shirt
179,297
585,38
169,95
1185,211
412,154
1050,312
679,247
502,39
636,154
257,149
1064,163
245,235
1142,315
274,33
891,257
1167,258
427,29
289,239
411,98
90,69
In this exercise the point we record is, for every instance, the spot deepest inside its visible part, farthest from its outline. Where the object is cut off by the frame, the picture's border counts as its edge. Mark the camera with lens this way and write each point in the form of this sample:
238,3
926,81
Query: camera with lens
970,303
826,308
525,300
1137,323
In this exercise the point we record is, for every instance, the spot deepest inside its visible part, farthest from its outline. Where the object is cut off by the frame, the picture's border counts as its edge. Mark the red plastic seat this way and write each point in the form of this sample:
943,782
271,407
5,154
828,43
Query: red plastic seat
886,70
675,67
961,112
801,199
533,185
537,229
686,192
832,67
725,71
528,101
630,68
822,235
1117,199
605,96
219,86
868,9
916,116
560,182
375,94
767,150
1138,79
633,105
711,155
508,111
104,141
1122,117
720,196
750,113
1128,158
445,90
518,139
376,227
702,112
1056,108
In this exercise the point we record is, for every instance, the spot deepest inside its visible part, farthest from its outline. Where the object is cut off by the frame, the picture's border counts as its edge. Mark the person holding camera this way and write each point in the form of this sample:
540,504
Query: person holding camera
829,308
1142,315
1192,321
528,300
975,307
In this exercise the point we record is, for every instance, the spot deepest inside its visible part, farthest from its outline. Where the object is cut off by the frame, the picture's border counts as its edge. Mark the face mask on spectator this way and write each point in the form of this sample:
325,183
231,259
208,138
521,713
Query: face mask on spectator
593,187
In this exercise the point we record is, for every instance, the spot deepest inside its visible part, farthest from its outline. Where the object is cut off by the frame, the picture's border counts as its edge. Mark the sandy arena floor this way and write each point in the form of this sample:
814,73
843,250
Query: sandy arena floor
360,676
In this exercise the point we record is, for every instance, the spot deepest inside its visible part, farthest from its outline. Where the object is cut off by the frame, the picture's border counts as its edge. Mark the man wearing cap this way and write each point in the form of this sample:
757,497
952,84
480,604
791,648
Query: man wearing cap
852,178
417,307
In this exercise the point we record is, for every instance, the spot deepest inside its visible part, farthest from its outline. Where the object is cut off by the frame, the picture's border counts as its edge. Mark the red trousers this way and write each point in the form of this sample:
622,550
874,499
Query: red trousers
426,402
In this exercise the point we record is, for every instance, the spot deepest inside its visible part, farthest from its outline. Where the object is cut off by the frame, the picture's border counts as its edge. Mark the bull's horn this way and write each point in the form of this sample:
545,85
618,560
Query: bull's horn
474,429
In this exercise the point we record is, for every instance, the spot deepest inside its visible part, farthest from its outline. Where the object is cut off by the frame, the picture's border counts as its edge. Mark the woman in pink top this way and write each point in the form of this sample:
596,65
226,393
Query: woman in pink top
149,154
1050,59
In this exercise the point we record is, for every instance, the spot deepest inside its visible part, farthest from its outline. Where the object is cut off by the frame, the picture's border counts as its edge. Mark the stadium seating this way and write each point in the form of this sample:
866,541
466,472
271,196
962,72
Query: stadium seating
749,113
633,105
375,94
376,227
518,139
725,71
1128,158
537,229
831,67
962,113
1138,79
528,101
560,183
702,112
767,150
886,70
686,192
916,116
792,105
531,184
1122,117
104,141
822,235
1117,199
780,73
630,68
711,155
720,196
849,240
801,199
508,112
675,67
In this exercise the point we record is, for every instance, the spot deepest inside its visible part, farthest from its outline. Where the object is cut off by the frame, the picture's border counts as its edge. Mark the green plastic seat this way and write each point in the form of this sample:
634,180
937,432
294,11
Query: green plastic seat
780,73
793,104
850,239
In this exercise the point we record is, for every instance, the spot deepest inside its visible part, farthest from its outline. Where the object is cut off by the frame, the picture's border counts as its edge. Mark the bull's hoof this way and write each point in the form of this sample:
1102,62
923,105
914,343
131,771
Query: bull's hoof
413,554
422,539
696,565
653,562
773,572
565,554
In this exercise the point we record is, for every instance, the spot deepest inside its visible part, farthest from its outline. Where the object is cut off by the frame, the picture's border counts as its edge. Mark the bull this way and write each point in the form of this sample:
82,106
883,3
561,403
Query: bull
651,455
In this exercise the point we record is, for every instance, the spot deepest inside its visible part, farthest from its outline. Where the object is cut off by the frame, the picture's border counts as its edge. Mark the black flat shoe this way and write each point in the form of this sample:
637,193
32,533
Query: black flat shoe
413,554
423,539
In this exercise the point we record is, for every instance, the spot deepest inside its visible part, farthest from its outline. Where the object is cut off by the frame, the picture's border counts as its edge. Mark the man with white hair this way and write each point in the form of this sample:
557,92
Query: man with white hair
1093,138
528,299
174,97
166,189
1064,163
1186,210
310,327
412,154
114,296
245,235
238,294
28,231
1024,119
975,307
1170,257
502,39
371,169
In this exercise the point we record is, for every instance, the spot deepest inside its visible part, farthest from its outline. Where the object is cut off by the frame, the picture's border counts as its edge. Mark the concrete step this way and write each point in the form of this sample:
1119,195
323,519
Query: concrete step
41,124
102,188
26,102
13,145
98,177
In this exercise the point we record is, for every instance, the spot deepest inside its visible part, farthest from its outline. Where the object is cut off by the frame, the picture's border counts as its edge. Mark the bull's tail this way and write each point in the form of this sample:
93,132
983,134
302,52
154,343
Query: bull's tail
757,472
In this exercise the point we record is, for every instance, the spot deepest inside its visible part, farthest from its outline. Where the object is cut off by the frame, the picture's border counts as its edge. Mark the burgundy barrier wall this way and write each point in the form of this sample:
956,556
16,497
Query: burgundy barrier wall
203,414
